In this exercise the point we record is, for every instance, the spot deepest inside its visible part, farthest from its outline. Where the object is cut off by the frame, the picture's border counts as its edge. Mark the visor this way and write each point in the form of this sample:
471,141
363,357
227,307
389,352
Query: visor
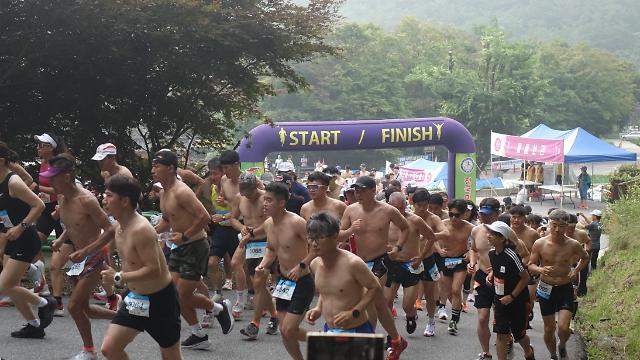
486,210
47,139
53,171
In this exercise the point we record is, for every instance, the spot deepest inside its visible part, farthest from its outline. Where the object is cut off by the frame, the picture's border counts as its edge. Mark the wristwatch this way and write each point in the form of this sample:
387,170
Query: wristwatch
185,238
24,226
355,313
302,265
399,247
117,279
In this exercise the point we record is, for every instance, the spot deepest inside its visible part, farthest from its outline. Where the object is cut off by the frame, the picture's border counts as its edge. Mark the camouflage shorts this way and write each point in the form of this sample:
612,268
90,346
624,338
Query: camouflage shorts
190,260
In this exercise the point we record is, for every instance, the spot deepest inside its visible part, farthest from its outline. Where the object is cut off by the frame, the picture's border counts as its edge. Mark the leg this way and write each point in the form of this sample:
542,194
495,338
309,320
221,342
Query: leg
79,306
444,289
171,353
429,288
262,298
390,293
215,276
409,301
550,333
525,342
116,340
384,314
23,299
58,260
292,334
501,346
564,319
237,266
594,259
484,334
189,301
456,289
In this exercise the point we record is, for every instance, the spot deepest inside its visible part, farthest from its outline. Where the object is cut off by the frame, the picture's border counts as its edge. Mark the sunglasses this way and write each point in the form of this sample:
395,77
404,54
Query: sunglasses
314,187
455,215
43,145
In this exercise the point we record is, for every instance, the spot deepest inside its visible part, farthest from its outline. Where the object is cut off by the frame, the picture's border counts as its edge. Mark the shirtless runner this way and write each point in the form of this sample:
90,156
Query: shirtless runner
529,237
583,238
431,274
88,227
406,267
287,241
346,285
251,250
370,220
151,303
318,185
454,251
552,257
187,218
106,157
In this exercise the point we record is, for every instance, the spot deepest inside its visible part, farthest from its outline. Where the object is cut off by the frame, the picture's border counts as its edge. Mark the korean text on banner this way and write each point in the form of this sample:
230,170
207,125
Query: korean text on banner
517,147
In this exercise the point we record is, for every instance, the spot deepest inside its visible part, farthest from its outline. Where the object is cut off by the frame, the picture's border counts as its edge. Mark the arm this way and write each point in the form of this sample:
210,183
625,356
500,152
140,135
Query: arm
297,271
401,222
268,259
584,259
235,215
199,216
346,230
190,178
19,190
91,205
522,284
20,171
534,260
426,231
163,225
473,252
441,231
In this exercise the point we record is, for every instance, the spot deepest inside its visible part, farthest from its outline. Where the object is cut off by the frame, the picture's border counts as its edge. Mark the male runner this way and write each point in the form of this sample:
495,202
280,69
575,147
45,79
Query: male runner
346,285
287,241
106,157
88,227
187,218
318,185
583,238
151,303
552,258
453,252
437,205
431,274
251,250
528,236
480,264
370,220
406,267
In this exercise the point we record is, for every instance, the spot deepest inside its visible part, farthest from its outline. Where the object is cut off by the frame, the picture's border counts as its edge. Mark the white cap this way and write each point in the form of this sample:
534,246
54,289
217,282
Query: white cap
157,185
286,166
596,213
46,138
499,227
104,150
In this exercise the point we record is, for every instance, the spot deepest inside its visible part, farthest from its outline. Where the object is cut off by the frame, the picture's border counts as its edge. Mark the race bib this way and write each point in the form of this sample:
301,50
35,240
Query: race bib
77,268
498,284
284,290
544,290
137,304
450,263
370,264
419,270
256,249
341,331
435,274
6,221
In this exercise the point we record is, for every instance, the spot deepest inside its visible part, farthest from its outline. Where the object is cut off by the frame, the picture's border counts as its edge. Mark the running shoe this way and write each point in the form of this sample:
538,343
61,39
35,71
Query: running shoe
442,314
248,305
6,302
114,303
394,312
572,326
396,348
38,279
207,320
430,329
84,355
196,342
453,327
45,313
471,297
228,285
532,356
419,304
464,308
217,297
510,349
411,324
59,311
236,311
225,317
100,294
484,356
272,328
29,332
562,351
251,331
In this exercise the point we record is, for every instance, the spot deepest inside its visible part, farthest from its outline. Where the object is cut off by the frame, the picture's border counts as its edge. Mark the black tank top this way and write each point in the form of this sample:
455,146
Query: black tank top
11,209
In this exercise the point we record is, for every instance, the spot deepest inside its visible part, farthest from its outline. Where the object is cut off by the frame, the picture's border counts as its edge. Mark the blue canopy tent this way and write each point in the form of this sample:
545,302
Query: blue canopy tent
439,168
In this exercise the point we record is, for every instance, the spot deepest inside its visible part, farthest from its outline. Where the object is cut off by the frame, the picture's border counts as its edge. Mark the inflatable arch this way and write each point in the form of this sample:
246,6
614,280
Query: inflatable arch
369,134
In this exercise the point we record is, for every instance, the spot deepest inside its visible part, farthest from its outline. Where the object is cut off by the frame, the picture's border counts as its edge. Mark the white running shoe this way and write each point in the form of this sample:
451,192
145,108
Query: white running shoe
430,330
84,355
442,314
237,310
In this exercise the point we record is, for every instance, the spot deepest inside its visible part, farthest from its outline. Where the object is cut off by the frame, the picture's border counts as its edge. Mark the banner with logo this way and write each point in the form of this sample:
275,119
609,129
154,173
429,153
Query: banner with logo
518,147
418,177
465,176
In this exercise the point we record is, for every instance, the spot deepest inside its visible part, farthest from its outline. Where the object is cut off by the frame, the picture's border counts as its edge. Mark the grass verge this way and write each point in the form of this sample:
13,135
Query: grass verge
609,316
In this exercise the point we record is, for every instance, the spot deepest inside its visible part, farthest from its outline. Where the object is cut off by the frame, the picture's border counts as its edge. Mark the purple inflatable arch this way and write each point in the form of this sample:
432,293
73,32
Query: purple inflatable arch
370,134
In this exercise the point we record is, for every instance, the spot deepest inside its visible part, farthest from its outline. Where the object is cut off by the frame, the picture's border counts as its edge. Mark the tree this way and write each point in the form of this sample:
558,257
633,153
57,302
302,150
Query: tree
152,71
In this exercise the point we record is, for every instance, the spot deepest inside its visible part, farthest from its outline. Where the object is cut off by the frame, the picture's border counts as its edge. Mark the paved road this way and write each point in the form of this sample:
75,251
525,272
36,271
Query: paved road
62,341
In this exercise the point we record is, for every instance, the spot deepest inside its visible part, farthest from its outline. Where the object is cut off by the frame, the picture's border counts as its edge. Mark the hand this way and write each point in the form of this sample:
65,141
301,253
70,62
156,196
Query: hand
244,240
14,233
466,256
573,275
108,275
246,230
443,252
57,244
342,318
217,218
471,268
506,300
357,226
176,238
489,280
295,273
259,268
221,201
78,256
546,270
313,315
393,254
415,262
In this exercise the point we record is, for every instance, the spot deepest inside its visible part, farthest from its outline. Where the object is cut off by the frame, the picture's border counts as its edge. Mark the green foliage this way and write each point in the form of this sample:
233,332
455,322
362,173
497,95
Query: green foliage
160,73
623,181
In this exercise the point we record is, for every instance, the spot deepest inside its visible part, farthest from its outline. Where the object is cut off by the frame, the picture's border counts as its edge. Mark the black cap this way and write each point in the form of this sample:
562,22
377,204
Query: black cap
364,182
166,157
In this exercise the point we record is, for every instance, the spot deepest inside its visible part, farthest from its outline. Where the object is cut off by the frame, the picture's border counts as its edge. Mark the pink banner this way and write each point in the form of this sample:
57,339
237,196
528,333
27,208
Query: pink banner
517,147
417,177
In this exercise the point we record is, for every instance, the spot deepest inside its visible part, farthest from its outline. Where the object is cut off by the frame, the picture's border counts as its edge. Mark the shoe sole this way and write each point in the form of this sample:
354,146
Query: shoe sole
28,337
249,337
199,346
226,304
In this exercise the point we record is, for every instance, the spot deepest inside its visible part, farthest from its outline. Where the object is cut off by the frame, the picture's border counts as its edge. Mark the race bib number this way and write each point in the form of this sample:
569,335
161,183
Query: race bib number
6,221
341,331
435,274
370,265
450,263
137,304
544,290
498,284
77,268
419,270
256,249
284,290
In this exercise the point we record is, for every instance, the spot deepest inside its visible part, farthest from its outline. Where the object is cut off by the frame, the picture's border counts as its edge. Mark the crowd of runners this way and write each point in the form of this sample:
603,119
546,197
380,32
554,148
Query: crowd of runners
344,239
